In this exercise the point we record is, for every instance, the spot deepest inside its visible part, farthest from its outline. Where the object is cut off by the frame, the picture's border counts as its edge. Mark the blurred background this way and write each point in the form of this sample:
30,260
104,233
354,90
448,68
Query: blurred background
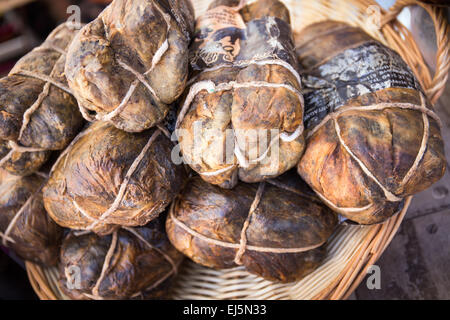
415,265
24,24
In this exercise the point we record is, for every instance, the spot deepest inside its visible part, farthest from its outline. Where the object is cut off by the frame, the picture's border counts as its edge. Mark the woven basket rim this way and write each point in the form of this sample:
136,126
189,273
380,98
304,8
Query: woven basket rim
375,241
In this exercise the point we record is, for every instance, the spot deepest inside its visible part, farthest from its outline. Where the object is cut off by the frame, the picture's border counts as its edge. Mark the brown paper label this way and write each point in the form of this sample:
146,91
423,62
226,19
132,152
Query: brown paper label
218,37
353,73
222,37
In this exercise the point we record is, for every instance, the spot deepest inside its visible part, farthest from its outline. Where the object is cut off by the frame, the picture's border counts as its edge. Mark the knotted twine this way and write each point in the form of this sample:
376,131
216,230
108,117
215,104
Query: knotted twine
243,245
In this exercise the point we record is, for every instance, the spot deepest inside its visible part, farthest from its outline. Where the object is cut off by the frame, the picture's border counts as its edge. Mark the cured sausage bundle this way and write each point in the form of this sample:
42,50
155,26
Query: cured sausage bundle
38,112
242,116
109,178
130,63
25,226
276,229
372,137
132,263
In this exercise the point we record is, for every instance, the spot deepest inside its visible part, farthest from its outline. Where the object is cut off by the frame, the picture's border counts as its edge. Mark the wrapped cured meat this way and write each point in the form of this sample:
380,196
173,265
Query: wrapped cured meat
130,63
242,117
132,263
372,136
38,112
109,178
276,229
25,226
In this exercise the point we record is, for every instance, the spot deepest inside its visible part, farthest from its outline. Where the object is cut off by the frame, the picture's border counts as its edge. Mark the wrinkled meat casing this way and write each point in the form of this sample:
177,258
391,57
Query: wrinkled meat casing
238,124
86,179
54,118
128,58
37,238
288,217
364,163
135,270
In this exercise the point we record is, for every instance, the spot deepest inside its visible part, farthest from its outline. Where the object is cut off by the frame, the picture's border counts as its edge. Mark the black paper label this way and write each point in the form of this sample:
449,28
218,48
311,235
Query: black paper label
353,73
222,37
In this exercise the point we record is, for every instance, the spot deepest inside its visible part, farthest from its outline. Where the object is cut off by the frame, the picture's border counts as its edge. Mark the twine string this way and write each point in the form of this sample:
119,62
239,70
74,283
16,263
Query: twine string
211,87
154,285
6,157
425,138
247,63
6,238
286,187
376,107
164,130
46,79
389,195
243,241
217,172
106,264
166,257
197,86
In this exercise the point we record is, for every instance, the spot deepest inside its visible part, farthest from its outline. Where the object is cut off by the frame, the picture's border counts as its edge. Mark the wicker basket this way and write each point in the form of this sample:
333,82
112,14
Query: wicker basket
352,249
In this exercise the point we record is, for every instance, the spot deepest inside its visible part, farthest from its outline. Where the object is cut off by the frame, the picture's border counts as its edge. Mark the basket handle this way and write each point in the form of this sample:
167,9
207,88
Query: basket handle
434,89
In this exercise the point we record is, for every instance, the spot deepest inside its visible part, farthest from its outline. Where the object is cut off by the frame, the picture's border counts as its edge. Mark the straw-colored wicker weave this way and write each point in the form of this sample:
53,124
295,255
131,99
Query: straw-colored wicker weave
352,249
